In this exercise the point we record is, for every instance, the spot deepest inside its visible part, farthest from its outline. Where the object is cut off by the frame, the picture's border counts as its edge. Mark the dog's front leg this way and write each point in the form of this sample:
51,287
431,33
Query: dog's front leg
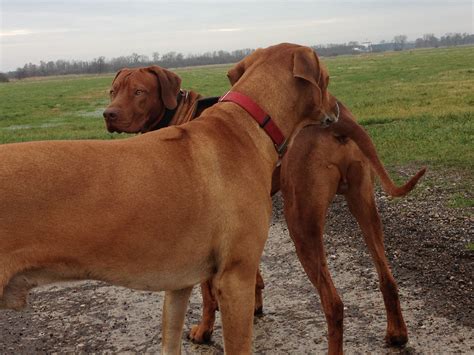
236,296
174,311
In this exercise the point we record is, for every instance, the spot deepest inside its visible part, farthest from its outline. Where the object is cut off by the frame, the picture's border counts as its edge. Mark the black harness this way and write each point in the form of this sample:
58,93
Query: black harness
204,103
199,107
169,114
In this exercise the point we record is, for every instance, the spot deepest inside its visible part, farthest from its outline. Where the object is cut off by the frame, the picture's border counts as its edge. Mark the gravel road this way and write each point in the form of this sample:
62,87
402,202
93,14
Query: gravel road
426,243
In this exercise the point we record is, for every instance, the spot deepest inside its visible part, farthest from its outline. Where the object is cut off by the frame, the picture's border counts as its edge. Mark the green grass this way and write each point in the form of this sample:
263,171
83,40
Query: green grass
70,107
460,200
417,105
208,81
53,108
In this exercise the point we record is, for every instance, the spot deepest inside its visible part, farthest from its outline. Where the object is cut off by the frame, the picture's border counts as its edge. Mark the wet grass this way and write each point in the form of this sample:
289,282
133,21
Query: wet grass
53,108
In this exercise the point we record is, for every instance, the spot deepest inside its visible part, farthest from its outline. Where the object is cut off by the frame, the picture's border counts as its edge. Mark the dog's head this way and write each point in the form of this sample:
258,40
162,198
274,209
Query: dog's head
139,98
291,78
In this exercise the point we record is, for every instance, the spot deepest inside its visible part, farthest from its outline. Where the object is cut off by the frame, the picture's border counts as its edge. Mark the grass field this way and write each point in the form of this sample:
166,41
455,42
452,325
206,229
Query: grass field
417,105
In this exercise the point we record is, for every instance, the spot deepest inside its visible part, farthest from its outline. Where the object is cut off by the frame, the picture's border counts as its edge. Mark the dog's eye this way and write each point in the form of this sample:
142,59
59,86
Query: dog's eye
138,92
112,92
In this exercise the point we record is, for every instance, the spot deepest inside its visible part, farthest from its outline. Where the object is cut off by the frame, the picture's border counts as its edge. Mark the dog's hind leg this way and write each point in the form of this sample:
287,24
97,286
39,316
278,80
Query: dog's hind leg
361,202
202,332
14,286
174,311
306,204
26,277
259,286
15,293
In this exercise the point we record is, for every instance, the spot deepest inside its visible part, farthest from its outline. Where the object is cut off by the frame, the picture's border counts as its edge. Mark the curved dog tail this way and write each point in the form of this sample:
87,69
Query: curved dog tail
347,126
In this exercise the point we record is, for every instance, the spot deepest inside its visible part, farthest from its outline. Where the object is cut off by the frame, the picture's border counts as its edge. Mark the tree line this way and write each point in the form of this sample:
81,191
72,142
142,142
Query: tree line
175,60
102,65
429,40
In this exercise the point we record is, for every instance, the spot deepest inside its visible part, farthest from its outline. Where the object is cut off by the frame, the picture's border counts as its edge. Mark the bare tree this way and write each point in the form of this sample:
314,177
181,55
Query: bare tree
430,40
156,56
399,42
3,78
135,58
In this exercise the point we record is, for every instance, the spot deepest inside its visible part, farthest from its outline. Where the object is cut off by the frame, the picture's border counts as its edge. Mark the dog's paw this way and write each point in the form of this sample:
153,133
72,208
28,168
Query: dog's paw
258,311
200,334
396,340
15,301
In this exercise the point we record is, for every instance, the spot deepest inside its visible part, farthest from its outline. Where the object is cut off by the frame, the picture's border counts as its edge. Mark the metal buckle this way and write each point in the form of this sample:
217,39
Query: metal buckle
282,147
265,121
222,98
338,111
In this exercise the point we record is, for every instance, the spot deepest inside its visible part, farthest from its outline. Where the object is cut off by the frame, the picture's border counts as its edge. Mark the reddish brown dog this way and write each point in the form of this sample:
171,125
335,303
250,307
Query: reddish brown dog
319,162
163,210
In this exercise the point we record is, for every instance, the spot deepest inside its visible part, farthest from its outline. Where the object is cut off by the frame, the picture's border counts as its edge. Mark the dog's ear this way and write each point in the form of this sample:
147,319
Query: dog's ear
170,84
123,70
236,72
306,66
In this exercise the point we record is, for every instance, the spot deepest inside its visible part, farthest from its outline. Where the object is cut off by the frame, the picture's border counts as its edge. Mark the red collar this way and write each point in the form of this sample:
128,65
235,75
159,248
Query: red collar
262,118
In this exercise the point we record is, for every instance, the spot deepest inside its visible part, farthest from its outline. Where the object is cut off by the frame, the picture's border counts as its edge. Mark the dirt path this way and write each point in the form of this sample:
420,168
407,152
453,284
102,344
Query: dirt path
426,245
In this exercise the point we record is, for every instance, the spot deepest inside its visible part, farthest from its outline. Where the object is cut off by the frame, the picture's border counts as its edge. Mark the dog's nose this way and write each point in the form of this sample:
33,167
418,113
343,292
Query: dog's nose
111,114
328,120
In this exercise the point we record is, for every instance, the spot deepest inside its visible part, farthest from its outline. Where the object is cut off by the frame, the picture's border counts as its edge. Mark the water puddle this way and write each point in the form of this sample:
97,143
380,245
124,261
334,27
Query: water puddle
30,126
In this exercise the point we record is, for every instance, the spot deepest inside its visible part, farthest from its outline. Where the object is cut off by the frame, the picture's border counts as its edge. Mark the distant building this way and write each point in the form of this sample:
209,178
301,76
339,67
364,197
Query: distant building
390,46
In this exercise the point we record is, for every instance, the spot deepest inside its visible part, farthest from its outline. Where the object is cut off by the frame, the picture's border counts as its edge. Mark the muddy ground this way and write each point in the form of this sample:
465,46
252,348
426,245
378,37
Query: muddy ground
426,243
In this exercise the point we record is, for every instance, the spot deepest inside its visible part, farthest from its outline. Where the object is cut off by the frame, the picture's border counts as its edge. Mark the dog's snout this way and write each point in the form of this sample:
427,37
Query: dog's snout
111,114
328,120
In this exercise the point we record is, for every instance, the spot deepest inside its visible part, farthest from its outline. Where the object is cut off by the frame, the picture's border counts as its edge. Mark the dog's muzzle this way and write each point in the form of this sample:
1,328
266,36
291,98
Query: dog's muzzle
331,118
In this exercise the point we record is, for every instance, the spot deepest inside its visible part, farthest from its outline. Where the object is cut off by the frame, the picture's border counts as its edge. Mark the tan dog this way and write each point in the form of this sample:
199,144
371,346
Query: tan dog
160,211
138,104
329,159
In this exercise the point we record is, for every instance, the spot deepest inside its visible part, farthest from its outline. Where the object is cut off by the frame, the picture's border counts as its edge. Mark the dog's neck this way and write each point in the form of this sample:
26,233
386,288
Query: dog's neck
282,114
182,113
261,117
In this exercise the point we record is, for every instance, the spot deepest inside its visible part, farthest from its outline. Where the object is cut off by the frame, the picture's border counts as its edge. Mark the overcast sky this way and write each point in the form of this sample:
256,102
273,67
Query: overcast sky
34,30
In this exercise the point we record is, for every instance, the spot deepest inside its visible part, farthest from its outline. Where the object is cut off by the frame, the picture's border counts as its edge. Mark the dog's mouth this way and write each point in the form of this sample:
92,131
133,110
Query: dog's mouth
122,126
111,128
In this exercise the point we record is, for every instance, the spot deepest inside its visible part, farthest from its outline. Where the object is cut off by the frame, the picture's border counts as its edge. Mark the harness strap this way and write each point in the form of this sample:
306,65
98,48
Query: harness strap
259,115
169,114
204,103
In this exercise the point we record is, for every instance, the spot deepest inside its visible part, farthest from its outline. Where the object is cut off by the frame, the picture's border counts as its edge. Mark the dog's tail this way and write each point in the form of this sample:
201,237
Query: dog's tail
347,126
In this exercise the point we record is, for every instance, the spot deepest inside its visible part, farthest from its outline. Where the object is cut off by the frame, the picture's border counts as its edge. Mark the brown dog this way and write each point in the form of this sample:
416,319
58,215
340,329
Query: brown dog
164,210
143,99
318,165
334,151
